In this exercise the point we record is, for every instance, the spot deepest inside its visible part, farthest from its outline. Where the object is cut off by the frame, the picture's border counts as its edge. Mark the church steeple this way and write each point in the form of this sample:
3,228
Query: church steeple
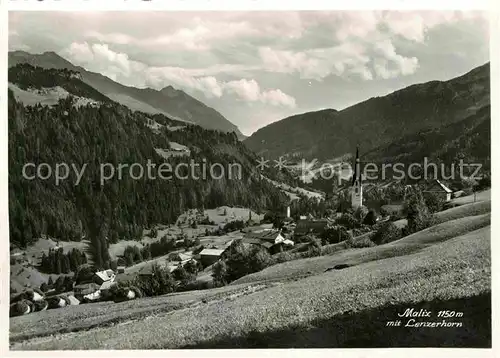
357,187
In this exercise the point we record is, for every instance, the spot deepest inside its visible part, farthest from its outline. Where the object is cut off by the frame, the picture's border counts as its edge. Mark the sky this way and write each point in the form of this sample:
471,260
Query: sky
259,67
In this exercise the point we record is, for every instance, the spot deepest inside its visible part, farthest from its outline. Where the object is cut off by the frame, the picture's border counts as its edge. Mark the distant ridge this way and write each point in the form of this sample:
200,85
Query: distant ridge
377,121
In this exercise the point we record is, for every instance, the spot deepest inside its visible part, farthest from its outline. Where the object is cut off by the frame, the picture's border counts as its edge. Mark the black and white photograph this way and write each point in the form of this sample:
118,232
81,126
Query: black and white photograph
248,179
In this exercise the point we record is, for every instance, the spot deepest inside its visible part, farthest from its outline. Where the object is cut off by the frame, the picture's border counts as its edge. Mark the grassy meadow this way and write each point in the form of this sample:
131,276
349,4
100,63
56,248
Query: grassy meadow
304,303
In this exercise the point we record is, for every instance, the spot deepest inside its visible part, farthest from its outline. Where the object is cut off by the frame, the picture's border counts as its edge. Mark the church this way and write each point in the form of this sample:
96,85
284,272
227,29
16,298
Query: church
357,186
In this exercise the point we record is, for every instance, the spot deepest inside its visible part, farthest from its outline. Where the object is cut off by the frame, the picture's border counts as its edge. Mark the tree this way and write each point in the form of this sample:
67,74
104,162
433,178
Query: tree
370,218
129,259
360,213
44,287
159,283
388,232
50,282
417,213
59,284
191,267
347,220
68,284
219,273
484,183
335,234
113,265
434,202
314,248
237,261
84,274
259,258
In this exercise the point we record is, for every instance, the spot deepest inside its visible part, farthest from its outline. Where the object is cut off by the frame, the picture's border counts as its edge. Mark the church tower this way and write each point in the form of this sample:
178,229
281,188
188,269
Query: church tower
357,187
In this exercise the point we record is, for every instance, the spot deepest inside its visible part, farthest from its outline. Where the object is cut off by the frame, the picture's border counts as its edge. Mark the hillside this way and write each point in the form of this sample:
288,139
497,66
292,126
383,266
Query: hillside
379,121
468,139
169,101
303,303
119,208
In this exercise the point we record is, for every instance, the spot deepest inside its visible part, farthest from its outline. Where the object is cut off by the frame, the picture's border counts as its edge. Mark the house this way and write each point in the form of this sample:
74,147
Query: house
107,285
440,189
146,271
124,277
396,210
73,301
85,289
271,240
184,258
210,256
315,227
102,276
120,269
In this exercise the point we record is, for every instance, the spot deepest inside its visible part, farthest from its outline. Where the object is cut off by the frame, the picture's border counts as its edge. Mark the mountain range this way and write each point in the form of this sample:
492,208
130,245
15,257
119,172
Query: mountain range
376,124
174,103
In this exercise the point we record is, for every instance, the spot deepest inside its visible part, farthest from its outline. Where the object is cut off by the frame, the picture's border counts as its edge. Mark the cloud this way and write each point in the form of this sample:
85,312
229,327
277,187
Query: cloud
100,58
318,63
265,58
388,57
201,35
249,90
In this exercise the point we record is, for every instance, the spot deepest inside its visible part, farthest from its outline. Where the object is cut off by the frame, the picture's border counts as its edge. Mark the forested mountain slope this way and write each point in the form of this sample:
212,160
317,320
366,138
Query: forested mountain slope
92,135
378,121
168,101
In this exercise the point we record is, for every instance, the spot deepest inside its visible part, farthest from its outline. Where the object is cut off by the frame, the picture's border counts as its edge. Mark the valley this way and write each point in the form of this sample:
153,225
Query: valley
299,308
266,258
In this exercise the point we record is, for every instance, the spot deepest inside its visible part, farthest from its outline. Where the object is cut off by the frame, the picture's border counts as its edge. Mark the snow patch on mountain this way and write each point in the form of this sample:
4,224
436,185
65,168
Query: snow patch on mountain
48,96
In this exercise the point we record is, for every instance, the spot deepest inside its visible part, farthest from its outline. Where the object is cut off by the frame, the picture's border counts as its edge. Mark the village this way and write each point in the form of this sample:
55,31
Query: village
206,239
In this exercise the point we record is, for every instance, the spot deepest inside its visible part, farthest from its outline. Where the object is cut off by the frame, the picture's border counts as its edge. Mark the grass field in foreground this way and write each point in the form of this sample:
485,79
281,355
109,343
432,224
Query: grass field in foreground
340,308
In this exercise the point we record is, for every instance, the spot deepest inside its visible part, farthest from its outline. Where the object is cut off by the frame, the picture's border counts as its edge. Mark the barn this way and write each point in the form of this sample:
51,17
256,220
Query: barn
210,256
441,190
271,240
306,226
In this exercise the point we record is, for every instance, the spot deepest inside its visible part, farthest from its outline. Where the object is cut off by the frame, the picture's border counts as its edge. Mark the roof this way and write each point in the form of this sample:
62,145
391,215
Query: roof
184,257
253,241
107,285
73,300
86,288
249,240
311,225
444,187
211,252
267,235
392,207
146,270
86,285
437,186
104,275
171,268
123,277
